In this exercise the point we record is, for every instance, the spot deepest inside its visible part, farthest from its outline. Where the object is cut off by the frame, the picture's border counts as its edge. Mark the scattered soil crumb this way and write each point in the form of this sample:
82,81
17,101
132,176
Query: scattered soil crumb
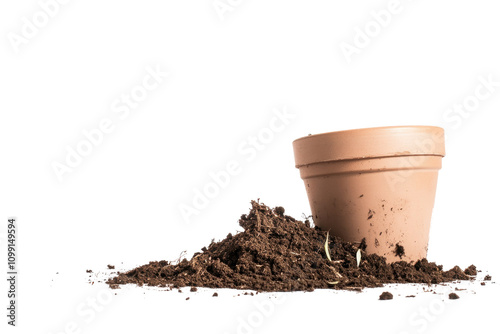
111,266
363,245
471,270
89,271
385,296
453,296
193,289
482,283
410,296
215,294
280,211
399,251
487,278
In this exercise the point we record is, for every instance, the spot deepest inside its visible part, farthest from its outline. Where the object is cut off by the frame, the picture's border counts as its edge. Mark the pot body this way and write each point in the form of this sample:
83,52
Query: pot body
378,184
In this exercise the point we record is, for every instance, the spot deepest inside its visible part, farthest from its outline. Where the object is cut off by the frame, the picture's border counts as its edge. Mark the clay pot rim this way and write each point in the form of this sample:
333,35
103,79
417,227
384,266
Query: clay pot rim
365,143
369,130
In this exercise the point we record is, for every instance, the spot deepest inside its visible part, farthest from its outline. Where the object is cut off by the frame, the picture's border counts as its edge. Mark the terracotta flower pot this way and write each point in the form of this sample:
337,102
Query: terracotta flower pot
377,183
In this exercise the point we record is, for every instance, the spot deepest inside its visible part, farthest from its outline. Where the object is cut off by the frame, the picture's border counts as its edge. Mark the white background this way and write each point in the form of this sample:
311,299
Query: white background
227,73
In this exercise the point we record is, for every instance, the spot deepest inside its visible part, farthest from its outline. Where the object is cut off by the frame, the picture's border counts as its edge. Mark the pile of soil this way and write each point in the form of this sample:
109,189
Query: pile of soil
276,252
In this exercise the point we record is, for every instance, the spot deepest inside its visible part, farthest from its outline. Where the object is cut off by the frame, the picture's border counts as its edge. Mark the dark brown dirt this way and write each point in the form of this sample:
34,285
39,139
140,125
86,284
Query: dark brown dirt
471,270
399,251
487,278
453,295
385,296
275,252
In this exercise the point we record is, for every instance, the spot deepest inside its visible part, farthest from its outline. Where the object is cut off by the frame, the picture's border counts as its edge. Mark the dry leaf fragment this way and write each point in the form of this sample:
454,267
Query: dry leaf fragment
327,248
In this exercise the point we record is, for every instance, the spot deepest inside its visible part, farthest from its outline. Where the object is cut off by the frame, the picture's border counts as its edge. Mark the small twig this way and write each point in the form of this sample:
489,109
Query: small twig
335,272
183,253
257,213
